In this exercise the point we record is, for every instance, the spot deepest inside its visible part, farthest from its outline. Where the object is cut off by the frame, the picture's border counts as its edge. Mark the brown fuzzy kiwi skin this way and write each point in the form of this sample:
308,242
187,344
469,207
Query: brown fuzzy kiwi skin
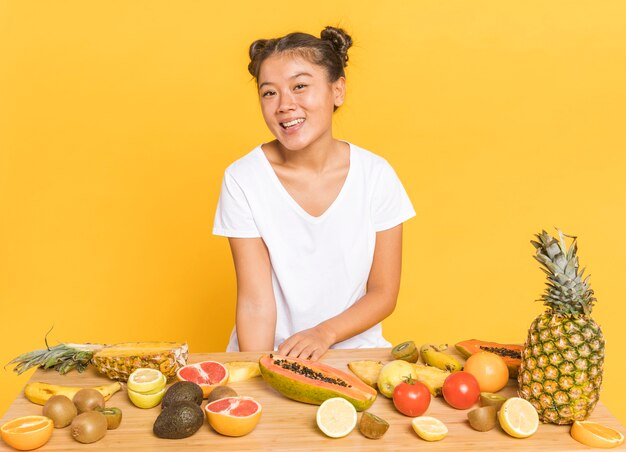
482,419
220,392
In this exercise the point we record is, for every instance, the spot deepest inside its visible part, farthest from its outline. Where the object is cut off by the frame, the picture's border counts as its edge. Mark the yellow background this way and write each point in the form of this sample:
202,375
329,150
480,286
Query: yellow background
117,119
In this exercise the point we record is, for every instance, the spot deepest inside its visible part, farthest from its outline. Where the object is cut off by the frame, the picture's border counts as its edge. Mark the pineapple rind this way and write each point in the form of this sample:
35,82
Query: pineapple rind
569,391
117,362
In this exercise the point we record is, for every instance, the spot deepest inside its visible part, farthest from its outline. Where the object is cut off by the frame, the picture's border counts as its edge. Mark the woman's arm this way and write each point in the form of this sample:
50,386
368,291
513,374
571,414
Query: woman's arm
256,307
378,303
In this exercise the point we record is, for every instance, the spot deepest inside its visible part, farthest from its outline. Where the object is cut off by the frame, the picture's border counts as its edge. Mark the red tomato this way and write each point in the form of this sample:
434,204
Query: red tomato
411,399
461,390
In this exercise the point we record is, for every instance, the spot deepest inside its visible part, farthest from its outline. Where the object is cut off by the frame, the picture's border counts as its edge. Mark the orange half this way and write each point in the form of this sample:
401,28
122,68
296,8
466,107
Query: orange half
596,435
27,432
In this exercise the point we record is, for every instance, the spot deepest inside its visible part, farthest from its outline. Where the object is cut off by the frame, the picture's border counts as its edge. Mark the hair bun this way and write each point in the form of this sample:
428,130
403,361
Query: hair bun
256,47
340,40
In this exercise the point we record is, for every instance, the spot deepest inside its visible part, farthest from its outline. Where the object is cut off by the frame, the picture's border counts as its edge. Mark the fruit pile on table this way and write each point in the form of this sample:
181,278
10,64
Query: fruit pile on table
558,372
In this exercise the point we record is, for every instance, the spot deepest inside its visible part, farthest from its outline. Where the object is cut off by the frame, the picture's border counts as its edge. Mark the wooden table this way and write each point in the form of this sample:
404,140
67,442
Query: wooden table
289,425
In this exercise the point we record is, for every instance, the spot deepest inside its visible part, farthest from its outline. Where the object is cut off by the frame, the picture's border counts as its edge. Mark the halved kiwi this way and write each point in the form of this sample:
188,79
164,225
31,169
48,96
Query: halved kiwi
491,399
372,426
482,419
406,351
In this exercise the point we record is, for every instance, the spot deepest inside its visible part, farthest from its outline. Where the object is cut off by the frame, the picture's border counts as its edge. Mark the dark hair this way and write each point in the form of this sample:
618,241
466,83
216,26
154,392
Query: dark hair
330,50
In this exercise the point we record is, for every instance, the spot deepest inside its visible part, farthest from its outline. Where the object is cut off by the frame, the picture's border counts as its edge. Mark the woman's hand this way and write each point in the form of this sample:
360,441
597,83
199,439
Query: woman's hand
308,344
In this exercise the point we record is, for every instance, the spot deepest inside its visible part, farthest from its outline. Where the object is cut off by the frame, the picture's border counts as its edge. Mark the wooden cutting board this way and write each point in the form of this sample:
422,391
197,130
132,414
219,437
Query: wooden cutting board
289,425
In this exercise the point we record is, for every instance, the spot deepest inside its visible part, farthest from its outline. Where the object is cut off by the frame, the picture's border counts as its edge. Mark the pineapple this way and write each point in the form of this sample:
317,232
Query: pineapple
116,361
562,360
120,360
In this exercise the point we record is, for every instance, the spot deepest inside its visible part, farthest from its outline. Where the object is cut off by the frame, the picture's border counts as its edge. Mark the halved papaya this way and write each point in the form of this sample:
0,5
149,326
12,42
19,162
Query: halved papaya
510,353
314,382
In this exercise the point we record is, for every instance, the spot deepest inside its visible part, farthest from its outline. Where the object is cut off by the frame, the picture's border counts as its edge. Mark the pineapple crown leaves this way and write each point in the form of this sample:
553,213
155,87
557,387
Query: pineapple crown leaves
566,292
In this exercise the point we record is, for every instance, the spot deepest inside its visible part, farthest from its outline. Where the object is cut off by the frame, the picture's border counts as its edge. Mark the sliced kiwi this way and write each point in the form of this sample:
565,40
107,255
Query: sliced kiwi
372,426
482,419
406,351
491,399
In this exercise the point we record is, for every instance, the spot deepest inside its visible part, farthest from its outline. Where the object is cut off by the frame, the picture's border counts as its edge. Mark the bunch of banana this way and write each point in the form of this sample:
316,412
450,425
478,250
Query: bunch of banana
39,392
434,355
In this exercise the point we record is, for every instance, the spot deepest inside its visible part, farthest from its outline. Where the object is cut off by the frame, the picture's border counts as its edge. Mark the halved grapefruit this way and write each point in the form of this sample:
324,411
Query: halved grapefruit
234,416
207,374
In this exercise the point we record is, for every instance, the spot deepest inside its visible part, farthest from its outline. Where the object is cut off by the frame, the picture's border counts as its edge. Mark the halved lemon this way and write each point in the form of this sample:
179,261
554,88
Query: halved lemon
336,417
146,379
596,435
147,400
518,417
429,428
27,432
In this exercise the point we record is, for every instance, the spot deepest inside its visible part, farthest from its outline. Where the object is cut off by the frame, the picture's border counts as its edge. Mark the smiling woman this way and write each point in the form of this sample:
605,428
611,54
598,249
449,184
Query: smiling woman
314,223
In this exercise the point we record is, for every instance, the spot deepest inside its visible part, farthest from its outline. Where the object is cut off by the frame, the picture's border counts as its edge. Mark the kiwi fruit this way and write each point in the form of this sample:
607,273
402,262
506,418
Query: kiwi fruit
113,416
88,400
61,410
491,399
220,392
406,351
482,419
372,426
89,427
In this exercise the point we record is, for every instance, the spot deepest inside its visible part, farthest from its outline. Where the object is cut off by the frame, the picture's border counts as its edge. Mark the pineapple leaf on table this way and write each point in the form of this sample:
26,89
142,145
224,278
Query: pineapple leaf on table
562,361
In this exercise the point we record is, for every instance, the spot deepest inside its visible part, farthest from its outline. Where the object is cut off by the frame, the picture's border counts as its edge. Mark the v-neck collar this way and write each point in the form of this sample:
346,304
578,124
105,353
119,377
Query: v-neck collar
294,204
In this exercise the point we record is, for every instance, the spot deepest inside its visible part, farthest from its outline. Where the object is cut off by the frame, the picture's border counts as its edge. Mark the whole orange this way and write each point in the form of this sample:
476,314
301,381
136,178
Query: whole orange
489,369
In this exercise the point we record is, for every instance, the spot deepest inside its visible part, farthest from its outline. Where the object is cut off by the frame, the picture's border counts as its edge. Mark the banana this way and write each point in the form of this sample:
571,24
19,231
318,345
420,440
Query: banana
433,355
39,392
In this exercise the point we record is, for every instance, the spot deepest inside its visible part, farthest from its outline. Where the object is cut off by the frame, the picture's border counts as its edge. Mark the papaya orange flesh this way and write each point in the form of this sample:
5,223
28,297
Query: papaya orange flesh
314,382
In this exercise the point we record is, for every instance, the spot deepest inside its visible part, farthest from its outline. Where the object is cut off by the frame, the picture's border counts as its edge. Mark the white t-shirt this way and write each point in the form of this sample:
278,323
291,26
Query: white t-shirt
320,265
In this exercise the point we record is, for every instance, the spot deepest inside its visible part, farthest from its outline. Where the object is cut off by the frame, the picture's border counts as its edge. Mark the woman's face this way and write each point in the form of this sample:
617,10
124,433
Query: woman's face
297,100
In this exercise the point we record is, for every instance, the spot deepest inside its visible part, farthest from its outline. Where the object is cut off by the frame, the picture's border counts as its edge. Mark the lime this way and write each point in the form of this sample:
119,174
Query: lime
336,417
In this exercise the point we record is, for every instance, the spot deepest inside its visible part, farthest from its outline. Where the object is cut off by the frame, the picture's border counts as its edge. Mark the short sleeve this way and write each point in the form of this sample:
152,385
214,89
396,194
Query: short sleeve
233,217
391,204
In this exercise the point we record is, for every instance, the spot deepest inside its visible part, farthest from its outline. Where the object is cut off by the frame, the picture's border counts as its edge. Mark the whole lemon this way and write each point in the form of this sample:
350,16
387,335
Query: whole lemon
392,374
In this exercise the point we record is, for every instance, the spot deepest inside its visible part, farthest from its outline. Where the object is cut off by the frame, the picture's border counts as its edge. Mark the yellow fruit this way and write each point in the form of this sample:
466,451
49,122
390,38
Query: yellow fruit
147,400
518,418
392,374
367,371
593,434
336,417
39,392
429,428
146,380
242,370
27,432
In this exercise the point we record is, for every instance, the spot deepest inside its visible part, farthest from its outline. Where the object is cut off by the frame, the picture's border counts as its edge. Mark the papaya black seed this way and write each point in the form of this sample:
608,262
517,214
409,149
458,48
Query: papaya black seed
309,373
502,352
